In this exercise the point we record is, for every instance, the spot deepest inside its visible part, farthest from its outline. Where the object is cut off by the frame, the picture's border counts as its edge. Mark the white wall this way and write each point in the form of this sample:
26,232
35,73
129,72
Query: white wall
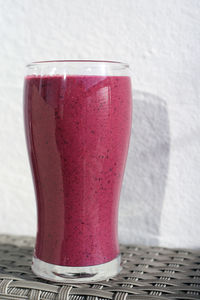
160,201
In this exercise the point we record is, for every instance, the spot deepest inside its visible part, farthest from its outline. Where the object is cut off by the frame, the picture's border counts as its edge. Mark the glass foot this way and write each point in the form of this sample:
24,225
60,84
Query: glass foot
76,274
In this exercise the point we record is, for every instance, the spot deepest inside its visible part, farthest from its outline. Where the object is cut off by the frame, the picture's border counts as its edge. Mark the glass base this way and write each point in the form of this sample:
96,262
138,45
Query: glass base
76,274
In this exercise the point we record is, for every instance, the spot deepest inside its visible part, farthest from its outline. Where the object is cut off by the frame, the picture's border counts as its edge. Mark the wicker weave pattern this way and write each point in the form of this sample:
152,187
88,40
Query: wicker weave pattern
148,274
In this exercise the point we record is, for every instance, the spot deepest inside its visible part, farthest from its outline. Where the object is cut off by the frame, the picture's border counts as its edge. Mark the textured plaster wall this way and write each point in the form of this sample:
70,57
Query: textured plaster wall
160,200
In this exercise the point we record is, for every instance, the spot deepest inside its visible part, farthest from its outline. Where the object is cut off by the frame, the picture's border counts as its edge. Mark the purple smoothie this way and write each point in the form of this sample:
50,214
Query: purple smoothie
77,130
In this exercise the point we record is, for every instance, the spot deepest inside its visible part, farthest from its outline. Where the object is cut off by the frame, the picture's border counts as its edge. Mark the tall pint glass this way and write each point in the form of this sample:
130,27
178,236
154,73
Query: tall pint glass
77,124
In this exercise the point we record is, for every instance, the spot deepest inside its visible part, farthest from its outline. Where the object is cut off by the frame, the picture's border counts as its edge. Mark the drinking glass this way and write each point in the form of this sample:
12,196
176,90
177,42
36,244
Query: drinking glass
77,125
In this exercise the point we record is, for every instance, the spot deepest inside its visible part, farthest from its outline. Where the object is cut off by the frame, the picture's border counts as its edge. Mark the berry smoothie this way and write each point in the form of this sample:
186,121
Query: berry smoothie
77,130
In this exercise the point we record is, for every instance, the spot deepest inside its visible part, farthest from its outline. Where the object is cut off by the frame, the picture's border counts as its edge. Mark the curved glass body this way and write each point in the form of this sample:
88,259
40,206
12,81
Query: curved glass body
77,123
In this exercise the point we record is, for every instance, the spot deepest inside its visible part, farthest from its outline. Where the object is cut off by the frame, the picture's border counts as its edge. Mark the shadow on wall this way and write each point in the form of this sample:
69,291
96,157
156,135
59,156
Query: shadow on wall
146,171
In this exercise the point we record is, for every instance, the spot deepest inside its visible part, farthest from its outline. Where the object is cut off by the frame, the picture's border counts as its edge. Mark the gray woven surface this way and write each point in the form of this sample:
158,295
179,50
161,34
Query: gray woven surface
148,274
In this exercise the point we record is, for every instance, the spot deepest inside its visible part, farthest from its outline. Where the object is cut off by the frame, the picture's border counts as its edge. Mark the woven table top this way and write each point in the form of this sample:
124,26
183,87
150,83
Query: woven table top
149,273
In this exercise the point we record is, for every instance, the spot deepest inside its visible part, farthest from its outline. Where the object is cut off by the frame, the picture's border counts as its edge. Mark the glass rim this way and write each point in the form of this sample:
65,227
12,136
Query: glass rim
79,61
